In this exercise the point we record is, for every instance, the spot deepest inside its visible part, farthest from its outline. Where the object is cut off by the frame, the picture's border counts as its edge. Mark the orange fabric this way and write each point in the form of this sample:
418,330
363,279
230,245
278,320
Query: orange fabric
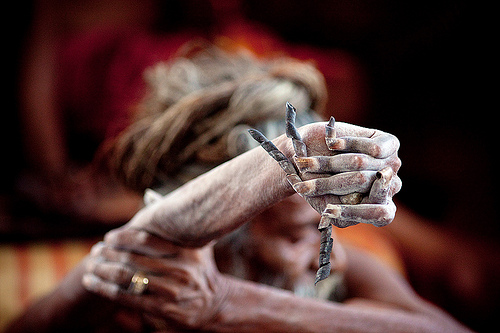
371,239
28,271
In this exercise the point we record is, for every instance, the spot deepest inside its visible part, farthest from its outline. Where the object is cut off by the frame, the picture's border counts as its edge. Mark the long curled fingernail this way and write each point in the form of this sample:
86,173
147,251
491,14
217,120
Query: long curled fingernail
291,131
323,272
273,151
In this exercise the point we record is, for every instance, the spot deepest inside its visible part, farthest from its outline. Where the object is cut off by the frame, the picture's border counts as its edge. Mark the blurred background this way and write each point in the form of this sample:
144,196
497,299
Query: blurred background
422,70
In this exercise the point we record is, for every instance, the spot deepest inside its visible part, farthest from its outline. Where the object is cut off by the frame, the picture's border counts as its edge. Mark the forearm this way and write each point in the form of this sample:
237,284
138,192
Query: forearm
220,200
252,307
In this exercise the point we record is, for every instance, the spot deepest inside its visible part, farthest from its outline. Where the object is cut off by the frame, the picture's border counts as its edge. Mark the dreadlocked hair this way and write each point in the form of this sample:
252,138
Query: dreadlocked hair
195,99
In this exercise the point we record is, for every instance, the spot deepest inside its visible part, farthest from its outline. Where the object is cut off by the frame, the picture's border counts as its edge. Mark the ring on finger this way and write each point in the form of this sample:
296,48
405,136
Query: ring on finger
138,284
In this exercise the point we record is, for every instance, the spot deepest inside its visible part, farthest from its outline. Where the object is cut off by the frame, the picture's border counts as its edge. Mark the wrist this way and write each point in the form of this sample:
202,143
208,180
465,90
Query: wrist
253,307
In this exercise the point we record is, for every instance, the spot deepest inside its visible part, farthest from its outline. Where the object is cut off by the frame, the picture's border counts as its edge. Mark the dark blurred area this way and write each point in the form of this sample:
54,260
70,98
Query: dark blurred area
429,67
430,74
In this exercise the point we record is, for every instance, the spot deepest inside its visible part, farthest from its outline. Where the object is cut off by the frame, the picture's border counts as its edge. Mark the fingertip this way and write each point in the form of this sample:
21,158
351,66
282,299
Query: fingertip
302,188
384,215
96,250
396,186
257,136
306,164
331,122
98,286
151,196
336,144
385,175
89,281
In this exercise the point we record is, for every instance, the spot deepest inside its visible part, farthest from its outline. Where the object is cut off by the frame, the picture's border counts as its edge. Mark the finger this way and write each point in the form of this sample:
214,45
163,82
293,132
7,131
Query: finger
379,193
340,184
102,253
381,145
277,155
151,196
291,131
144,303
340,163
141,242
395,186
114,272
100,287
346,215
167,279
330,133
164,266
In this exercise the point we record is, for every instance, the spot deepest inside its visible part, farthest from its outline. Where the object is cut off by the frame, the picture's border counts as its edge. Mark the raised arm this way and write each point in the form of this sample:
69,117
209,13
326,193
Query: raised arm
226,197
218,201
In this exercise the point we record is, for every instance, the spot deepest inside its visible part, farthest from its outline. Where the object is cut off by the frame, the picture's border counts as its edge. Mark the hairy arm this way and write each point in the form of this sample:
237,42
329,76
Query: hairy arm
226,197
218,201
383,302
196,213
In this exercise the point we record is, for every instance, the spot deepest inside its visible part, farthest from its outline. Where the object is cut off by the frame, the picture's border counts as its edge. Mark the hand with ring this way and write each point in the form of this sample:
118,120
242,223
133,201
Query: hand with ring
162,280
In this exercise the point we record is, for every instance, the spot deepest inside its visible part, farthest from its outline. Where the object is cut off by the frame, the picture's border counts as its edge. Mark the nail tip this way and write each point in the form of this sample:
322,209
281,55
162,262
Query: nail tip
256,135
331,122
322,273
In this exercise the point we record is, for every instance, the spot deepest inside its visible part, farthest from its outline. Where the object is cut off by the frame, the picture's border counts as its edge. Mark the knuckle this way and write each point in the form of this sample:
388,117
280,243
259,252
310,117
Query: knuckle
91,266
119,274
97,250
384,216
361,178
396,163
126,258
376,150
176,294
112,236
358,162
143,238
118,237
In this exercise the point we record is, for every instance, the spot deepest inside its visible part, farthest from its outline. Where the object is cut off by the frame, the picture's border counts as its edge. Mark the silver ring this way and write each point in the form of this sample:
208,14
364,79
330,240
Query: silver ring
138,283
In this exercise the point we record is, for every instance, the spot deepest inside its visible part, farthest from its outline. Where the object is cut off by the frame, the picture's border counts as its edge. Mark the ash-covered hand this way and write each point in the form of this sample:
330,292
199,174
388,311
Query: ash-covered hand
346,172
173,287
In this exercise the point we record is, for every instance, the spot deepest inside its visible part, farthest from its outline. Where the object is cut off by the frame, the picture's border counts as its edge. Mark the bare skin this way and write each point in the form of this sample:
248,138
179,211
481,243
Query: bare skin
348,185
195,215
171,240
186,289
223,303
